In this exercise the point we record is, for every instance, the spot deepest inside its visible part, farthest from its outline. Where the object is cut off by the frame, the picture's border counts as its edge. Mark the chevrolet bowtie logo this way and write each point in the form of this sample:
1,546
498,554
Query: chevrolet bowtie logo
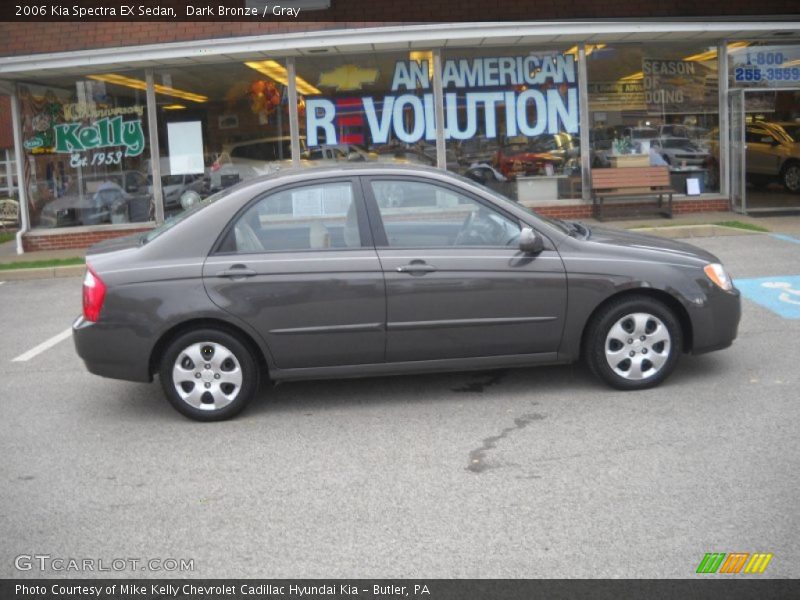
348,77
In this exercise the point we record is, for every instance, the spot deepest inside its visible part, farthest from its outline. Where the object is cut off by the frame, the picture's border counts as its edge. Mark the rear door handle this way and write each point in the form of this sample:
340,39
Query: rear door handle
236,271
416,269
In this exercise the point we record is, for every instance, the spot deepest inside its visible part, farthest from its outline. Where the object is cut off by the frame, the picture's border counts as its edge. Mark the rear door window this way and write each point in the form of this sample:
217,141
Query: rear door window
312,217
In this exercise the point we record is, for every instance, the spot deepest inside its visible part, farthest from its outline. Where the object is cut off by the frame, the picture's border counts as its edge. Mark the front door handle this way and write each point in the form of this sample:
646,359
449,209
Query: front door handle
416,268
236,271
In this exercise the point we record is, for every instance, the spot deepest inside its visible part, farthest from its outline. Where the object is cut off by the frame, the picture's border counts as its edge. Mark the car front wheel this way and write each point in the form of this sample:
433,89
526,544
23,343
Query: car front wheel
633,343
791,177
208,375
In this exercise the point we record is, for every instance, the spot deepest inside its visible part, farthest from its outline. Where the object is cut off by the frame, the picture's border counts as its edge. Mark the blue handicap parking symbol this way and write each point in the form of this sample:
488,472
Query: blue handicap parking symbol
780,294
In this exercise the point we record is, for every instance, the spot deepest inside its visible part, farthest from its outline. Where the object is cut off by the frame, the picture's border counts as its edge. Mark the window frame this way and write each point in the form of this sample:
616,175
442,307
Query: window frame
376,220
364,230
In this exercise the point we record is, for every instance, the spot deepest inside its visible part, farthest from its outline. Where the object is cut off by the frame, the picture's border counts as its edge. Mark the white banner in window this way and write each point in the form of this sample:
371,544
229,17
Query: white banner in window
185,148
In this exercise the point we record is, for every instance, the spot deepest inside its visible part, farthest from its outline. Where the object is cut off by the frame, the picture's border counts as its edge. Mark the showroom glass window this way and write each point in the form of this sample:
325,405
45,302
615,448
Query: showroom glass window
86,151
512,120
368,107
656,104
219,124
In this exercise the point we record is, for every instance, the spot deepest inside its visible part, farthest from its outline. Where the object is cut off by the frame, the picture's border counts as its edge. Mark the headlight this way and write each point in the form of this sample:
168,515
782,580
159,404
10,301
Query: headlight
716,273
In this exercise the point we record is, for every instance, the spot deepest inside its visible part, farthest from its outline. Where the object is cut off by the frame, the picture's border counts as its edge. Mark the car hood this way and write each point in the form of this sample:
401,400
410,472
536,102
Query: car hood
650,244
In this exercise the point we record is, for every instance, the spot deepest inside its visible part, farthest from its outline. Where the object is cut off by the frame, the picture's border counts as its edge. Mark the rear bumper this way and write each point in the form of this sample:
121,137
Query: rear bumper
716,324
105,353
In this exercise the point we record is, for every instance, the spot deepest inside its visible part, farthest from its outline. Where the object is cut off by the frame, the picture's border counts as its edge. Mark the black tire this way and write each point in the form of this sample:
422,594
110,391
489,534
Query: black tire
790,176
599,333
228,385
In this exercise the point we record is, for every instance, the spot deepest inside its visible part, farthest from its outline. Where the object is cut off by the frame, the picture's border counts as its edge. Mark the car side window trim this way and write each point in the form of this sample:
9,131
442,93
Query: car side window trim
376,220
364,230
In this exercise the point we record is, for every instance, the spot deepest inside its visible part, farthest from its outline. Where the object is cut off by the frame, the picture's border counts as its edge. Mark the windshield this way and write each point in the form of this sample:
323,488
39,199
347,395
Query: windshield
677,143
181,216
543,143
644,134
793,131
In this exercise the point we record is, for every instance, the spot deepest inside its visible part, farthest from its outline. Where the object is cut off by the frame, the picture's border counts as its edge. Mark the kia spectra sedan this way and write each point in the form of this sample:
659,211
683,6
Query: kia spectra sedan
378,270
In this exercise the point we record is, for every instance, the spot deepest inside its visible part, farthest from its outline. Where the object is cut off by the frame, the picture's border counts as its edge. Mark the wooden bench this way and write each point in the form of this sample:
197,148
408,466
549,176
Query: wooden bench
9,213
628,182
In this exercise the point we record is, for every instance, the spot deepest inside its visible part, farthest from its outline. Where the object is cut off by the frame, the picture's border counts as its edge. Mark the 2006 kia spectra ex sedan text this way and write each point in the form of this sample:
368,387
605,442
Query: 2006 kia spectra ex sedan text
344,272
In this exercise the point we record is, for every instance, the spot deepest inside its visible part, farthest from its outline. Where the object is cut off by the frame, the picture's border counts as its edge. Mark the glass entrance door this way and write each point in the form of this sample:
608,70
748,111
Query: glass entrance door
765,150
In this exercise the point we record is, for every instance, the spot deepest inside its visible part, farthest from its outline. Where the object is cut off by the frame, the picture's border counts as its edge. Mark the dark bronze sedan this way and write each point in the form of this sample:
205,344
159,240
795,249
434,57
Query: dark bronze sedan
374,270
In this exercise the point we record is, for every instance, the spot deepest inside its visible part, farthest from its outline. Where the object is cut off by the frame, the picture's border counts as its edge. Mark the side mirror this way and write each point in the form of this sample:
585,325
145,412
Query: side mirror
529,242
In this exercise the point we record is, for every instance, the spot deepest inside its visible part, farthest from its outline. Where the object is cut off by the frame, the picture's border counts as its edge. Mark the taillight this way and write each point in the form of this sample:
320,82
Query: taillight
94,294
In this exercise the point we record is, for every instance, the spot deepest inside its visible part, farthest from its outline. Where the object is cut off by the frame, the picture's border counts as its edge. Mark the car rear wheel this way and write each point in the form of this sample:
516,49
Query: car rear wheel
208,375
633,343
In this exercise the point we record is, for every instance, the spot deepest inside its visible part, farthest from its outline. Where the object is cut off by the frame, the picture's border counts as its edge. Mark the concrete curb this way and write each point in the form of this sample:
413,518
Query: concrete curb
42,273
695,231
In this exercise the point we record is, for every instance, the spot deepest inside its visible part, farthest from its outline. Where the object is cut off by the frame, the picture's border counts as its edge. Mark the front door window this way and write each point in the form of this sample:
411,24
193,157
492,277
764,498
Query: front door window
417,214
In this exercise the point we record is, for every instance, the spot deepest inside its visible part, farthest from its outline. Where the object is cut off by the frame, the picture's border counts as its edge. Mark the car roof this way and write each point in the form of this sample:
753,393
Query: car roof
293,174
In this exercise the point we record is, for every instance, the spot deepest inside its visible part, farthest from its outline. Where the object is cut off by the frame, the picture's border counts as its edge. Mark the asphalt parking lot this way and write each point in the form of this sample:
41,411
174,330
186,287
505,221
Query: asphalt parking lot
519,473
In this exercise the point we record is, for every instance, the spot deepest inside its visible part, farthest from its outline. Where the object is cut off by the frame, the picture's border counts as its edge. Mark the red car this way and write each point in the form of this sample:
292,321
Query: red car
530,156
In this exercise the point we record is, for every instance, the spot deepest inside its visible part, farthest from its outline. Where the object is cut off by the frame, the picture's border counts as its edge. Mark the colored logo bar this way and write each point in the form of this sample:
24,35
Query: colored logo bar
734,562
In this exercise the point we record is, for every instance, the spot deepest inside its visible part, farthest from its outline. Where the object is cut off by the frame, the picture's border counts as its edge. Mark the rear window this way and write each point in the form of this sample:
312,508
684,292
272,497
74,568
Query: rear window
177,218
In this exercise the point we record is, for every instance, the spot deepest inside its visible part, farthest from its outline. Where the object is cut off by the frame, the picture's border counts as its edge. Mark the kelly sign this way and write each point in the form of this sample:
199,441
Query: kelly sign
101,133
543,99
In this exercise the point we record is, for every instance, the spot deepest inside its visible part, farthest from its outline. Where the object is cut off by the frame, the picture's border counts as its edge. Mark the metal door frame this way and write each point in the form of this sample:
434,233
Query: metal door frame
736,150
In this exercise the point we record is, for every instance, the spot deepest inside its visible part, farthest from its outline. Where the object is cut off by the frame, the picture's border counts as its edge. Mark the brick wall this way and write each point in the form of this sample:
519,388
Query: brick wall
584,211
32,242
6,131
33,38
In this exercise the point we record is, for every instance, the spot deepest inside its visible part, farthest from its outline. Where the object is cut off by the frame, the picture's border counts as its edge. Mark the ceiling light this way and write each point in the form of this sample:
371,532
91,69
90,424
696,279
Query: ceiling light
589,49
277,72
423,55
173,107
138,84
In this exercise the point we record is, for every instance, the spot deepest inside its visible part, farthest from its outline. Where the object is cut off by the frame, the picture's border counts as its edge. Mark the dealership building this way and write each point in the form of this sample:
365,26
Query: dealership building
118,125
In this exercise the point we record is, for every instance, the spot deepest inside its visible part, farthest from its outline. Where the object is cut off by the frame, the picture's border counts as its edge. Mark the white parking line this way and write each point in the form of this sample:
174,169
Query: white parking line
46,345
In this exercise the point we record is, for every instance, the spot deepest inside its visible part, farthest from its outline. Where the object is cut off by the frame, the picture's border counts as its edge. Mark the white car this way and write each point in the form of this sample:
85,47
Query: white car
680,151
244,160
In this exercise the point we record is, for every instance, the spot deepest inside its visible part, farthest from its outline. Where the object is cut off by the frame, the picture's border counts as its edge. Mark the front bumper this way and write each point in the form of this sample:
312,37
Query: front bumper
715,324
